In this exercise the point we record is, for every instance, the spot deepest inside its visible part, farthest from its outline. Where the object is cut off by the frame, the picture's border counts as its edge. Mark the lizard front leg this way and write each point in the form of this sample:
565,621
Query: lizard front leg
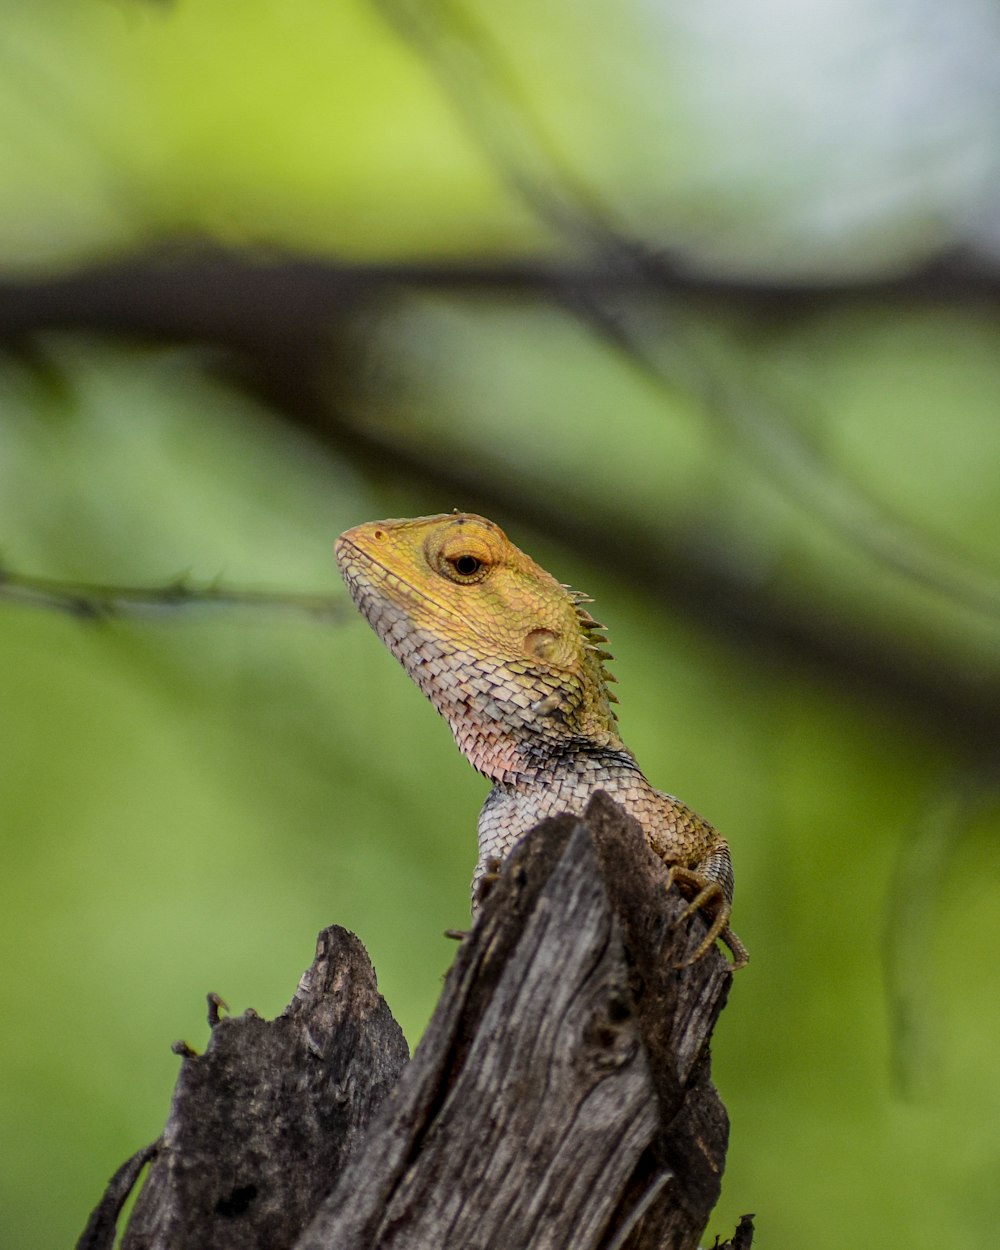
701,867
708,895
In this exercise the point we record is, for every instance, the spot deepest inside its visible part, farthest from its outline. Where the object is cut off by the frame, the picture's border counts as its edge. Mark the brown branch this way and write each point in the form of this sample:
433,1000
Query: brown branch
561,1096
563,1085
201,293
101,1229
263,1122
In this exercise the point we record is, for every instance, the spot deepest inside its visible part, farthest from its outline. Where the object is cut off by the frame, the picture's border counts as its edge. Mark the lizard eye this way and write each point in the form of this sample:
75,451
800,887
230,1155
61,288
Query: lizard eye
463,566
463,555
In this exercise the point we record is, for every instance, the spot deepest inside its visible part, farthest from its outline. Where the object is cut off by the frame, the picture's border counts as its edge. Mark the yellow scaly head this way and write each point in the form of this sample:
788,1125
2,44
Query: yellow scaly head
493,640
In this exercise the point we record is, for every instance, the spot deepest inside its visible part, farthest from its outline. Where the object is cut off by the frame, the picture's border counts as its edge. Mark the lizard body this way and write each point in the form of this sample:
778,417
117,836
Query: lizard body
515,663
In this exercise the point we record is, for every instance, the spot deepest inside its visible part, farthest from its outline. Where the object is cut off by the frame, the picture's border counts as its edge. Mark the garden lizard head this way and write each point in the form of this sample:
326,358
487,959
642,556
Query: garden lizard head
498,645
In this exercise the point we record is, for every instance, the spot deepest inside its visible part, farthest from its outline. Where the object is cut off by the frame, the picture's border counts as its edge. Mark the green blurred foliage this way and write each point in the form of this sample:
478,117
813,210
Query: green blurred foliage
188,795
303,124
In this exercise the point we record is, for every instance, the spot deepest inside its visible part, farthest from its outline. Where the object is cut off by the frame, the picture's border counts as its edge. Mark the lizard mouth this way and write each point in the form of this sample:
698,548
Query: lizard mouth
366,578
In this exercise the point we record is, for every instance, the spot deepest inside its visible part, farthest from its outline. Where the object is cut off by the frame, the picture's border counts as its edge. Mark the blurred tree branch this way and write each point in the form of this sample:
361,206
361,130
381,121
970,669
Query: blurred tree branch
91,601
204,293
274,323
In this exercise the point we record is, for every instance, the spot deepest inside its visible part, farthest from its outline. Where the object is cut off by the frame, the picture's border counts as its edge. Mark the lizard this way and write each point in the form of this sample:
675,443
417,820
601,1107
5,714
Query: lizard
517,666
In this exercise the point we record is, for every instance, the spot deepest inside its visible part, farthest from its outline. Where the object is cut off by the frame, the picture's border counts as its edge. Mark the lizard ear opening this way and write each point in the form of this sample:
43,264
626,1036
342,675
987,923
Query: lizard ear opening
542,644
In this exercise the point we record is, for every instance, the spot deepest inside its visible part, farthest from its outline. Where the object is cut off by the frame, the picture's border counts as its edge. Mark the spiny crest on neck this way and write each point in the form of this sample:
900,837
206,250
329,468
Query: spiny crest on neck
594,637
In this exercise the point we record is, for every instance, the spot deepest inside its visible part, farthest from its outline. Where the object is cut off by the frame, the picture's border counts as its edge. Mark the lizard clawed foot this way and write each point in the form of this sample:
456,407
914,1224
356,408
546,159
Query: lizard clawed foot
704,894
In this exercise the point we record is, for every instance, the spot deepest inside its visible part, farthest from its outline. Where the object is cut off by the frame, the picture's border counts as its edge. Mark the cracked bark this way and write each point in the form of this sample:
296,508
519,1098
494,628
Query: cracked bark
561,1096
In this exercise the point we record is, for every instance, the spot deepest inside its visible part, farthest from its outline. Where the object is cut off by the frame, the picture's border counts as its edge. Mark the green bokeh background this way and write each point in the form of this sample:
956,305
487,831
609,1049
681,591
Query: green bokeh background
187,795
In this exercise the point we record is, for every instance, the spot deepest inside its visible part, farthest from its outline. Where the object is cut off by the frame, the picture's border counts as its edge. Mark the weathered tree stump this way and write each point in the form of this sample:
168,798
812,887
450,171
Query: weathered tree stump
560,1098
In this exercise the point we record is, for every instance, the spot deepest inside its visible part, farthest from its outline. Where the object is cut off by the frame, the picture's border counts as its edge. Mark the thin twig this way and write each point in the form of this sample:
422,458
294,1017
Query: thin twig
93,601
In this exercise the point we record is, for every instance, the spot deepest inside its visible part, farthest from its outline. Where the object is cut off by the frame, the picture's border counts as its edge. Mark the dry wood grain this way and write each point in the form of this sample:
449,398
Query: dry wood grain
560,1098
